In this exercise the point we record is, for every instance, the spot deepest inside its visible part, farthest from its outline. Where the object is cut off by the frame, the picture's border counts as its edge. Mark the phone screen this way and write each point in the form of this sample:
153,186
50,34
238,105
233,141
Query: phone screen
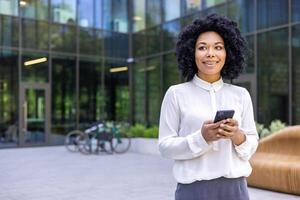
223,114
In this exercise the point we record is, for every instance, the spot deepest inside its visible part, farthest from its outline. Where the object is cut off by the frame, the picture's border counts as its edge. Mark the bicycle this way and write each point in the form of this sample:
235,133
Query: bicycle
101,137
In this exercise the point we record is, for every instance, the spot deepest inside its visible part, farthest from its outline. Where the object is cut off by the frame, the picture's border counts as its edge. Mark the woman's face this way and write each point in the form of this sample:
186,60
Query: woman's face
210,55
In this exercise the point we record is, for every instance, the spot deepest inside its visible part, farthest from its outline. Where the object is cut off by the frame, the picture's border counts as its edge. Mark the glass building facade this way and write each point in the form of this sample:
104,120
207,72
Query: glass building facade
65,64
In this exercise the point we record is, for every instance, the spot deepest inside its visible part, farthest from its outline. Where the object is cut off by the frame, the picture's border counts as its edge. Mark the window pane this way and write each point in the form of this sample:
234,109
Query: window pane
153,86
153,13
64,11
9,93
295,10
296,74
171,9
35,34
63,94
139,41
98,14
271,13
9,7
86,13
250,58
90,42
139,70
34,67
91,97
36,9
63,38
9,31
190,6
210,3
120,18
116,44
139,15
153,40
107,15
170,71
272,57
242,12
170,34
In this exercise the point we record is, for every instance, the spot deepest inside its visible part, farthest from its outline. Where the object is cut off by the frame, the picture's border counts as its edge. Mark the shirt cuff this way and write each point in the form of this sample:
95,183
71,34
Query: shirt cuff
244,148
196,142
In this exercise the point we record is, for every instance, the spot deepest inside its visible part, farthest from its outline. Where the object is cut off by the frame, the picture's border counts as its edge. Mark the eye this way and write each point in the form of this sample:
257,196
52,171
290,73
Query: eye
219,47
202,48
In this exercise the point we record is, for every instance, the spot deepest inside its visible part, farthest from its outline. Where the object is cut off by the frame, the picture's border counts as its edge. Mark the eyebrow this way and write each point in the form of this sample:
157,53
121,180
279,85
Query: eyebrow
206,43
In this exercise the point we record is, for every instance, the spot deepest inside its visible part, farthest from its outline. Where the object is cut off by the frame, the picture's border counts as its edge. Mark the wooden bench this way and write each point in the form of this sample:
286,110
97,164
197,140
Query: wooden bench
276,163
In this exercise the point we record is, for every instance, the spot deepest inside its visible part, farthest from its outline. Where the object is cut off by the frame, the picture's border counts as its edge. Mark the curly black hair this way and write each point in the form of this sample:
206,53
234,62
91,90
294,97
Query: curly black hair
235,46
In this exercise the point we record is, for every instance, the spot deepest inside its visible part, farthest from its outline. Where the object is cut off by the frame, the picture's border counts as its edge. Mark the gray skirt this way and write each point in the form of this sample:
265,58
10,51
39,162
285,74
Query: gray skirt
215,189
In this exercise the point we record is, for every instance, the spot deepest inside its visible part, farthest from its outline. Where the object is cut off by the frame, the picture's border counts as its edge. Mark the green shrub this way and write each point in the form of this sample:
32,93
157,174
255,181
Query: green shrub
138,130
151,132
275,125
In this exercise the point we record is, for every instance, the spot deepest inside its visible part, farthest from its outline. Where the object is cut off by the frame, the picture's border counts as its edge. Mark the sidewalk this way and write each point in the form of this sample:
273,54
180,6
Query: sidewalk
53,173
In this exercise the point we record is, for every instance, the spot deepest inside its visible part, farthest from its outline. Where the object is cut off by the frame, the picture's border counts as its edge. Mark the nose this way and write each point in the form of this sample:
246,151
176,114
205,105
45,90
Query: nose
210,52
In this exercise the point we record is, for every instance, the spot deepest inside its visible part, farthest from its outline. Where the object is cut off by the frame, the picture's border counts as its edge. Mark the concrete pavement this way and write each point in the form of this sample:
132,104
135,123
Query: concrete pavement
53,173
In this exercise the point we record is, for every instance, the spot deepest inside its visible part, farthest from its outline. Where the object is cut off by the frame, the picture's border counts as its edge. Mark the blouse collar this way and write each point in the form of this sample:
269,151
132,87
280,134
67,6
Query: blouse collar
215,86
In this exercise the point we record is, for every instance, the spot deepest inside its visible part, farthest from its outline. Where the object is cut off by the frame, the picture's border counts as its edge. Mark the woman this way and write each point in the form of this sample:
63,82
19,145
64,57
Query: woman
211,159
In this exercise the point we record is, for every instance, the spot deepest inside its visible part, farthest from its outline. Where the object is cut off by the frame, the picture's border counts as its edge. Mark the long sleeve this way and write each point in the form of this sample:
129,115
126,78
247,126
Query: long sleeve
171,145
248,148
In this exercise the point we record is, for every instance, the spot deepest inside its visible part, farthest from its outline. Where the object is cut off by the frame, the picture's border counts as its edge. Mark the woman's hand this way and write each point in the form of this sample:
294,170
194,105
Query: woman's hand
210,130
230,130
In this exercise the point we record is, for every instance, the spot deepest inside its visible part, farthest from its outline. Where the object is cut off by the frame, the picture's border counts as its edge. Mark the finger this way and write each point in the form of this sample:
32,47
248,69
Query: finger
208,122
217,124
227,127
226,134
232,121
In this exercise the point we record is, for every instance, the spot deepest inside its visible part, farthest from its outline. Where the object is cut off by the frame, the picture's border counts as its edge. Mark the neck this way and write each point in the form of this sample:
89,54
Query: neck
210,78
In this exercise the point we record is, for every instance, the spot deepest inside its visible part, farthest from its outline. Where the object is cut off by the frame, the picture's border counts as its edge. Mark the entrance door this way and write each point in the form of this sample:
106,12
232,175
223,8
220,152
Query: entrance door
34,114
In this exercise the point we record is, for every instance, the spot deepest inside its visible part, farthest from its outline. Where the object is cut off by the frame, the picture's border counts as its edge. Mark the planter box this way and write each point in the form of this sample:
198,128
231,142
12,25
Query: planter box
144,146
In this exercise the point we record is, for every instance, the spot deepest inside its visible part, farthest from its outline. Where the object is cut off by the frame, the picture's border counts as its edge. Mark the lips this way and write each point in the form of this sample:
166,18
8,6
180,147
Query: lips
210,63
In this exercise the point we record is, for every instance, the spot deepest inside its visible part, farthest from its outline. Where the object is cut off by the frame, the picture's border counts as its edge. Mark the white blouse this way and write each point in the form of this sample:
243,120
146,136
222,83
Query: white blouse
184,109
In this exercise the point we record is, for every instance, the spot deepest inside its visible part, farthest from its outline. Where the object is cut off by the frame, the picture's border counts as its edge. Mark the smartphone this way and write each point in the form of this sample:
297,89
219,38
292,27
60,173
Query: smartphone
223,114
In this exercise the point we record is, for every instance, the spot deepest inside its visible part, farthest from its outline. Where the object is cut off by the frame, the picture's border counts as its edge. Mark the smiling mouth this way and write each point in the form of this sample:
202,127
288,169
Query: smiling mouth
210,63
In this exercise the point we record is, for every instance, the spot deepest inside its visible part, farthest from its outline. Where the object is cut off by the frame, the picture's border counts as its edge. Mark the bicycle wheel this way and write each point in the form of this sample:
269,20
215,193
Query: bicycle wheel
121,143
73,140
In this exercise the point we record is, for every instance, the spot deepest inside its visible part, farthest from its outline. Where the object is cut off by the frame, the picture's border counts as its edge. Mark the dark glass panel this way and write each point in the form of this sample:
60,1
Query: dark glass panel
153,13
91,97
272,58
139,15
116,44
35,9
9,31
63,38
139,41
9,95
9,7
117,90
171,75
250,55
86,13
63,11
296,74
170,34
171,9
63,94
295,10
107,15
139,84
153,40
242,12
35,34
153,88
34,67
271,13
